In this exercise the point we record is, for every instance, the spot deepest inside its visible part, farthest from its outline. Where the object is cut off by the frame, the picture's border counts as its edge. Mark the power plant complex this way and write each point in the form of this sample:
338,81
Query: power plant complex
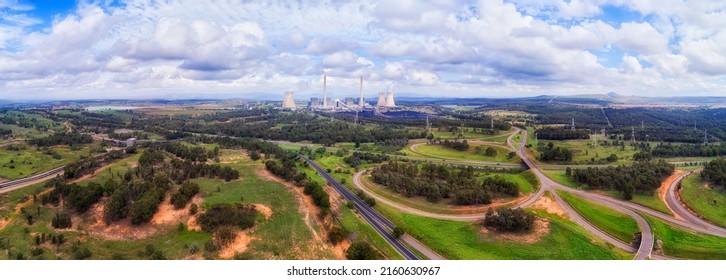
385,100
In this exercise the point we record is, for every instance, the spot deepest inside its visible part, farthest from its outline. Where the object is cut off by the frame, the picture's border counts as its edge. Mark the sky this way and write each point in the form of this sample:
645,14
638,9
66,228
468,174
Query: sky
65,49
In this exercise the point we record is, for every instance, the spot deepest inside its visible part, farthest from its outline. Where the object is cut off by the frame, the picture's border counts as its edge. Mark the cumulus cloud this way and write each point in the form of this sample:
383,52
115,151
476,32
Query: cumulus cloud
473,47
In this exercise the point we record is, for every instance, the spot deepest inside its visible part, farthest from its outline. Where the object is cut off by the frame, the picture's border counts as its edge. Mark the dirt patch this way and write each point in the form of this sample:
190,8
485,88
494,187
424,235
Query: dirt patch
237,157
239,245
4,222
550,206
167,214
664,186
266,211
541,228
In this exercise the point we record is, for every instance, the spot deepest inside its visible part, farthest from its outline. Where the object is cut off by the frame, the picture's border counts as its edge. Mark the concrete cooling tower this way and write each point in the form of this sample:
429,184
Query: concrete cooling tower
289,101
381,99
389,100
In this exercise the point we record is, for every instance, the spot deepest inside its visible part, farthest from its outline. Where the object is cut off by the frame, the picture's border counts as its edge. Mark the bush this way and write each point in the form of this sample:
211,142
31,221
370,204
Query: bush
225,235
513,220
337,234
185,193
362,251
398,232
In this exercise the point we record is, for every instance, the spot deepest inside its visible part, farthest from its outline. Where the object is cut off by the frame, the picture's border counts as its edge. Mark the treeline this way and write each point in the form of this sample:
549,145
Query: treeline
715,172
62,139
358,158
452,144
435,182
640,177
688,150
226,215
192,153
286,169
550,152
559,133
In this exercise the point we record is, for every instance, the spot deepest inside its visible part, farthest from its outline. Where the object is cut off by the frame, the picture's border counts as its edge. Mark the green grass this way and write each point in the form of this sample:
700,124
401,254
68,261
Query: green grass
651,201
583,152
681,243
562,178
706,201
617,224
468,134
444,152
33,161
464,240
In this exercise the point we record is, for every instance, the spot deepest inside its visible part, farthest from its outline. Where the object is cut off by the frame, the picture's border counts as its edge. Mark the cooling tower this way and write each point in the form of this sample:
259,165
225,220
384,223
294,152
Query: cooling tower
389,100
289,101
381,99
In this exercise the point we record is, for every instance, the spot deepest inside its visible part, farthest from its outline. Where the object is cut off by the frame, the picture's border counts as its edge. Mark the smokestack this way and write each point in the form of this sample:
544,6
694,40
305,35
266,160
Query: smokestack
360,103
381,99
325,91
389,100
289,101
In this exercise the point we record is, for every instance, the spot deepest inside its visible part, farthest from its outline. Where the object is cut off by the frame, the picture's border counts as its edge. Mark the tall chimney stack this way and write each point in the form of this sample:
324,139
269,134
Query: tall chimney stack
325,91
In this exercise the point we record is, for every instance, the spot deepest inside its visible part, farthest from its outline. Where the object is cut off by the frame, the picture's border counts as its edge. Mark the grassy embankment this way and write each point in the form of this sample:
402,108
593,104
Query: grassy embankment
705,200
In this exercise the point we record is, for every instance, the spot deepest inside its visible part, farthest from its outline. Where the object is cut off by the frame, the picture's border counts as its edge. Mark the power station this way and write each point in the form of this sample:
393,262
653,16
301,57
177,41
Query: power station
385,100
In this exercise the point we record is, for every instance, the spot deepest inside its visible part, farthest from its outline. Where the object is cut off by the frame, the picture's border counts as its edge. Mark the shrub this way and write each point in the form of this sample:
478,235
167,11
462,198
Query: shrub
513,220
61,220
362,251
241,216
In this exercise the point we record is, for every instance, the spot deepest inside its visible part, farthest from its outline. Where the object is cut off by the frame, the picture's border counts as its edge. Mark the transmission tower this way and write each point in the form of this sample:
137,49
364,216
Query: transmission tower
632,135
356,117
573,125
428,126
642,125
492,125
705,137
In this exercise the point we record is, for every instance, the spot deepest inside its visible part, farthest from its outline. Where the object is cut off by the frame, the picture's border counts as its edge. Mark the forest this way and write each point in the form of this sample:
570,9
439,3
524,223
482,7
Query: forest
715,172
688,150
452,144
560,133
358,158
436,182
640,177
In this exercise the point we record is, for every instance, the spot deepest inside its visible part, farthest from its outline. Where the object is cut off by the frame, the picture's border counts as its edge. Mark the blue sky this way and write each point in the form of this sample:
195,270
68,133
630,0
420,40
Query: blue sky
490,48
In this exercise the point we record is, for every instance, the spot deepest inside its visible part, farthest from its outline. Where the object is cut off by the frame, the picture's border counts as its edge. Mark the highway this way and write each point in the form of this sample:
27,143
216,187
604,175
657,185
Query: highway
39,177
383,226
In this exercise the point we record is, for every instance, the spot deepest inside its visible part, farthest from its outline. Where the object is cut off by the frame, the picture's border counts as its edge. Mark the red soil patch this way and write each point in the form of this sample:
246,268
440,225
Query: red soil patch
264,210
550,206
239,245
541,228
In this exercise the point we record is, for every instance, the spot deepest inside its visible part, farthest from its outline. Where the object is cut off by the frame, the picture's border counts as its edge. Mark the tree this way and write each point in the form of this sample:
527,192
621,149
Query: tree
612,158
398,232
254,155
337,234
490,152
61,220
568,171
361,251
509,220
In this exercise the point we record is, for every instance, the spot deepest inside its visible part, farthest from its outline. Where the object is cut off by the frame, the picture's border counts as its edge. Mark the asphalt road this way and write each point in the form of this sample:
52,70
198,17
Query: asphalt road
42,176
383,226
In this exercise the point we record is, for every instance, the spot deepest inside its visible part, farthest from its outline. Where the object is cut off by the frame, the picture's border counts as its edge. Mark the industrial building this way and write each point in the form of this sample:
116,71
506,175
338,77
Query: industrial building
386,100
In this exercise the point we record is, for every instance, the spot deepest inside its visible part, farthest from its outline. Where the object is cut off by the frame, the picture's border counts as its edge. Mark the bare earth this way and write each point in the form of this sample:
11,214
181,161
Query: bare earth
239,245
550,206
664,188
541,228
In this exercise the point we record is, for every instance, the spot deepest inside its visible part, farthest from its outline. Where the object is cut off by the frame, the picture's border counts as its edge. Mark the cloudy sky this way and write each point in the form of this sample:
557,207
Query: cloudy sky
492,48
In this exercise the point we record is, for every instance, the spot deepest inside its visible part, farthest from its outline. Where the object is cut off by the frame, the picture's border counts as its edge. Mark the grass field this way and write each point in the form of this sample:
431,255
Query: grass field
617,224
583,152
651,201
706,201
20,164
525,180
464,240
681,243
448,153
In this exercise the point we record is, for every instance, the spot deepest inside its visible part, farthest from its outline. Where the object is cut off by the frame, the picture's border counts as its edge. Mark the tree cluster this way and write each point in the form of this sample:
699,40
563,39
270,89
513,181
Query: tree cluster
511,220
435,182
220,215
550,152
688,150
640,177
287,170
715,172
358,158
62,139
362,251
185,193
